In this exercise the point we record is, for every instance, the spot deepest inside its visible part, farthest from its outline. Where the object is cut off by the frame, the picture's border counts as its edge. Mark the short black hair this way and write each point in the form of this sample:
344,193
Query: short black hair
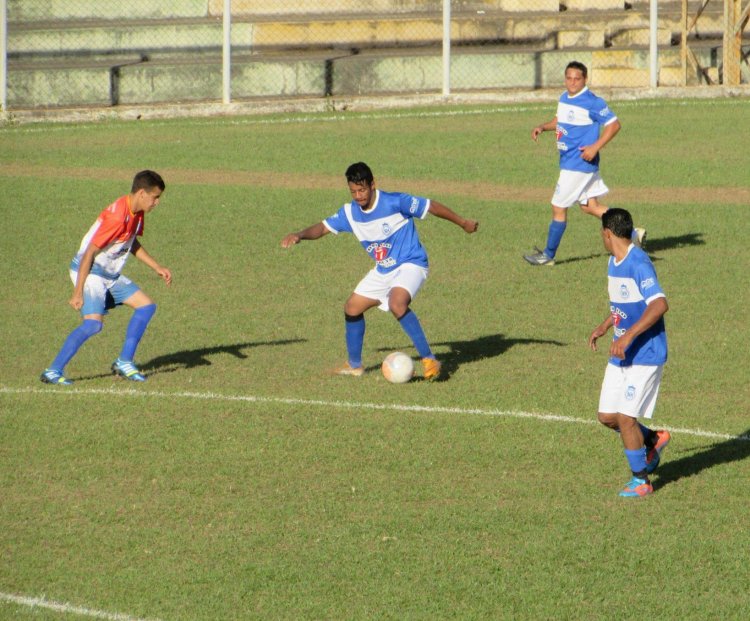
147,180
619,221
359,173
574,64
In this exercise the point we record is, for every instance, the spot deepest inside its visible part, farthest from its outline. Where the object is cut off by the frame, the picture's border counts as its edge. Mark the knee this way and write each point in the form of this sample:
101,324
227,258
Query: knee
608,420
399,309
91,327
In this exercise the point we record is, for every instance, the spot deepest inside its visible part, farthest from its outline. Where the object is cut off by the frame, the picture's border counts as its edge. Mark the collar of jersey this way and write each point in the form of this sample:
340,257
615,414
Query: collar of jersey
581,92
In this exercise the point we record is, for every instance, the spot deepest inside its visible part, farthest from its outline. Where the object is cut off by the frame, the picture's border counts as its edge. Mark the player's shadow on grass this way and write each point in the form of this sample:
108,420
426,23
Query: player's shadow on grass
653,246
192,358
659,244
462,352
725,452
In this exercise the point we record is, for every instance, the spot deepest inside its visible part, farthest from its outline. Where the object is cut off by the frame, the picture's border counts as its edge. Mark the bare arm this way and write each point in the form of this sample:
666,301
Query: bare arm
316,231
549,126
589,152
139,252
652,314
84,269
441,211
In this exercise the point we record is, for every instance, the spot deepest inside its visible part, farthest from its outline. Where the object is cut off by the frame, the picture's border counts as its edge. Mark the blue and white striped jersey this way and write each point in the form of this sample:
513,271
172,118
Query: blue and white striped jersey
579,119
386,231
632,286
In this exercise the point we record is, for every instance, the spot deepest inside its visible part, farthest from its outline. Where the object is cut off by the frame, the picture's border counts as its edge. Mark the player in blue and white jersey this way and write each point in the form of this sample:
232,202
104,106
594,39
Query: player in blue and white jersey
638,351
583,124
383,222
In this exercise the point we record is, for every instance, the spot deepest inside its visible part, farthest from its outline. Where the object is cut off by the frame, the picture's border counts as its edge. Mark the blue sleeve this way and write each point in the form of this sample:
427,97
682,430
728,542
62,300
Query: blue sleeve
338,222
413,206
600,112
648,284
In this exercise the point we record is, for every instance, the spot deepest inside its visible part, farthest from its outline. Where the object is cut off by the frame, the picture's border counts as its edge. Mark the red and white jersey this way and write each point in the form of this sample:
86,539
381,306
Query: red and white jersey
114,232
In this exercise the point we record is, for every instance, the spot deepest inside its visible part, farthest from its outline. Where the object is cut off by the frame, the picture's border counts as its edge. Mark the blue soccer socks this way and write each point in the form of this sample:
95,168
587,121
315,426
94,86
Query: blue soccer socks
554,237
410,323
136,328
355,337
73,343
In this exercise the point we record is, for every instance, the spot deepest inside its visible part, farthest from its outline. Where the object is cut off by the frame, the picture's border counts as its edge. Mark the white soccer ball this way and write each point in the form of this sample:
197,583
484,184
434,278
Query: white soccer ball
398,368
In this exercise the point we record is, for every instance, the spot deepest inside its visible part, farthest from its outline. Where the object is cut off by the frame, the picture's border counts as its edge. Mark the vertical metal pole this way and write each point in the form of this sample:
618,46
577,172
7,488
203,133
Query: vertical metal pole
683,42
446,48
3,55
226,54
654,44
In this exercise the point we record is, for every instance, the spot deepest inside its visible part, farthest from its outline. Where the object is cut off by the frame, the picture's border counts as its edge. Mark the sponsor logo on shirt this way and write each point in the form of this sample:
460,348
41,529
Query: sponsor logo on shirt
646,284
379,252
414,205
604,111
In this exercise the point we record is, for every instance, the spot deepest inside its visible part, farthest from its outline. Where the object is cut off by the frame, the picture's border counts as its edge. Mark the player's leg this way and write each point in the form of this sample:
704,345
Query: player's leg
354,331
95,296
405,284
144,308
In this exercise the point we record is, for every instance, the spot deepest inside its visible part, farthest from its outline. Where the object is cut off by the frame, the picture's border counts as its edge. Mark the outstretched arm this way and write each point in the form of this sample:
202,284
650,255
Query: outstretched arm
316,231
441,211
139,252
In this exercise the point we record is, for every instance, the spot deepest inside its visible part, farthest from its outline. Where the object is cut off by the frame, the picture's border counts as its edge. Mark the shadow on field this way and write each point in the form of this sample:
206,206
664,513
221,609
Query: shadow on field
191,358
652,246
488,346
714,455
677,241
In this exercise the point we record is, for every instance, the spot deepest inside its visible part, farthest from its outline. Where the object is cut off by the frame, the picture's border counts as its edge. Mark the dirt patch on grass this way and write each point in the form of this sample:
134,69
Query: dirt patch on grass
434,188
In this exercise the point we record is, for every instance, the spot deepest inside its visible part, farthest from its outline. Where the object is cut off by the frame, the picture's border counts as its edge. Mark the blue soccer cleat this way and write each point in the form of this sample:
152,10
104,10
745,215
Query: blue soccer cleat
127,370
637,488
50,376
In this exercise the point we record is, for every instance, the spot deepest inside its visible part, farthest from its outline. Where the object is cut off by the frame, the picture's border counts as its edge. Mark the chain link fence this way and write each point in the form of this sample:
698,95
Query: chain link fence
88,52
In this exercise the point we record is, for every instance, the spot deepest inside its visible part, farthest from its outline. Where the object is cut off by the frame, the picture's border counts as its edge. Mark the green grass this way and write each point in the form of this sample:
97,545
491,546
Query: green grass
243,481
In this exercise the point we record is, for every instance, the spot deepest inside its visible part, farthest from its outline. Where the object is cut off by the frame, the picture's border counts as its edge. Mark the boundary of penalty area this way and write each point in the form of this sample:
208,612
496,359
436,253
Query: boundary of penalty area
342,405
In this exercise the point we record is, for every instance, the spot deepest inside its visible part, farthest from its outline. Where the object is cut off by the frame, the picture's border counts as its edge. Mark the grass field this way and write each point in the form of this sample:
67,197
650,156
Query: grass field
243,481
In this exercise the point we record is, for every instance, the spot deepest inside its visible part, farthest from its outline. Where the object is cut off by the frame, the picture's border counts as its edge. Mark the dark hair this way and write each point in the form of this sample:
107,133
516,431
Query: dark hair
619,221
359,173
574,64
147,180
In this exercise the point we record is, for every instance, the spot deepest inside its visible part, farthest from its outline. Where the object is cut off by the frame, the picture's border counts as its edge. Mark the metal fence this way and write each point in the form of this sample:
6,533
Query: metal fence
87,52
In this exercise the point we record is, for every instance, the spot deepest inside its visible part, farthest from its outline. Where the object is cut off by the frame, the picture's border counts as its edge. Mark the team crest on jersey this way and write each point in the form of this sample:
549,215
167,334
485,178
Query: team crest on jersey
386,228
624,293
571,115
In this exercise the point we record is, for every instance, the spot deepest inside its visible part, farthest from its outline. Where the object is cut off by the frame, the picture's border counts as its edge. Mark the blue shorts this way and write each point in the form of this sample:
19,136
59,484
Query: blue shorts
101,294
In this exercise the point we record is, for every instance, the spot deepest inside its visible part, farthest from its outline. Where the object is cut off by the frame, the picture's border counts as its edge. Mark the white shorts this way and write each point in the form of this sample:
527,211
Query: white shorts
377,286
102,294
630,390
577,187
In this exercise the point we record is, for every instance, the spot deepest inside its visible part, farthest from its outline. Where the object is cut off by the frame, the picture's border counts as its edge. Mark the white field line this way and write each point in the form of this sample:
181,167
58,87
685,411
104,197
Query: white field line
344,405
331,117
41,602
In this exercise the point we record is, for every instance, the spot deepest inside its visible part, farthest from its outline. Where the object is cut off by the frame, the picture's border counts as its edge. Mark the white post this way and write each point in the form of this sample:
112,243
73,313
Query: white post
226,54
654,44
3,55
446,48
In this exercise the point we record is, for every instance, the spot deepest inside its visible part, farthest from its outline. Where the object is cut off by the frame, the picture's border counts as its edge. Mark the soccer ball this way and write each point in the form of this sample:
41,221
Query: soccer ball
398,368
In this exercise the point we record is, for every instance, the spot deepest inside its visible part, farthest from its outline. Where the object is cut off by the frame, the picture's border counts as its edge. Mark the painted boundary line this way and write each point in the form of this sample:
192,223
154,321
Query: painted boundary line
345,405
41,602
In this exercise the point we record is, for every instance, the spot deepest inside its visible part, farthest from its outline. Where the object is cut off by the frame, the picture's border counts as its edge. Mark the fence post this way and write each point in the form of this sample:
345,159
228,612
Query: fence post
226,54
654,44
3,55
446,48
